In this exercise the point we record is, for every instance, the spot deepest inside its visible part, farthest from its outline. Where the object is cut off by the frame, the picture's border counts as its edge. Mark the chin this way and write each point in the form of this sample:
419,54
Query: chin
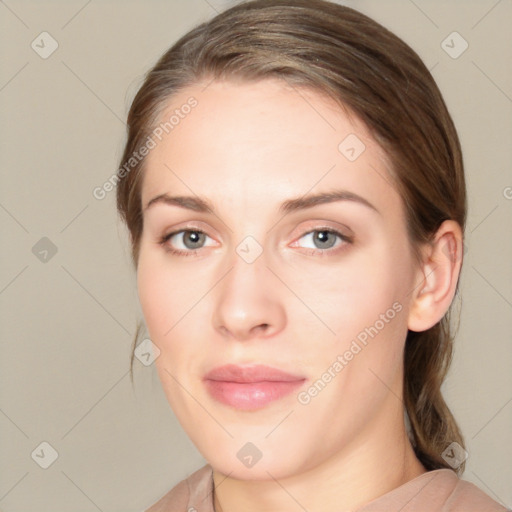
242,463
260,471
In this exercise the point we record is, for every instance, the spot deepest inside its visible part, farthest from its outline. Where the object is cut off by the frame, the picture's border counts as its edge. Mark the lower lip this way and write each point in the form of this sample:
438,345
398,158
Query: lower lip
250,395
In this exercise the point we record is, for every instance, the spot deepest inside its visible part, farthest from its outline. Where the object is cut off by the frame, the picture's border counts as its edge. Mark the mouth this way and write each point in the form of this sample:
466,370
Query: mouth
250,387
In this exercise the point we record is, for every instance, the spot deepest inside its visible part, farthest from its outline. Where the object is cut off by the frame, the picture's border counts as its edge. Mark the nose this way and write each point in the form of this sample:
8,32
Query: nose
248,304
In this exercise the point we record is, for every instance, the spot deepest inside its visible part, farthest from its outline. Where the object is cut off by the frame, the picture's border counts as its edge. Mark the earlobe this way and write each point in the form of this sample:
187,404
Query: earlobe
437,278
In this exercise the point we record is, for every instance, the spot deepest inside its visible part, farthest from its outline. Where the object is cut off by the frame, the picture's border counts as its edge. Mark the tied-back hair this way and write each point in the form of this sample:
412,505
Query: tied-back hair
369,72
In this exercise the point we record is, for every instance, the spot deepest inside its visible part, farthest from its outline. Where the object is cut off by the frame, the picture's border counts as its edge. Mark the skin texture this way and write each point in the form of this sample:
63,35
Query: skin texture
247,148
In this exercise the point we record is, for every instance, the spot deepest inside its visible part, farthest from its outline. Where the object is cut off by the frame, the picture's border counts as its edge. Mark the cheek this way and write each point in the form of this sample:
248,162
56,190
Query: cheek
165,294
368,314
155,300
380,312
174,314
354,295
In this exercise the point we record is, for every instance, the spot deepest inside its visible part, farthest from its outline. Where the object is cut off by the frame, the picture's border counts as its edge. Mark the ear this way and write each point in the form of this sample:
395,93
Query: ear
437,277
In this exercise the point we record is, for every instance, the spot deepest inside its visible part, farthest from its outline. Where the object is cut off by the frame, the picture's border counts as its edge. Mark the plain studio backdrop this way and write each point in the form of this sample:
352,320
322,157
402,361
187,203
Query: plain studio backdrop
75,435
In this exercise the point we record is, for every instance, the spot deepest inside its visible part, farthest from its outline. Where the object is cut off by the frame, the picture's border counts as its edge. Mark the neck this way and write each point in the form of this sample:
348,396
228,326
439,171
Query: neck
378,461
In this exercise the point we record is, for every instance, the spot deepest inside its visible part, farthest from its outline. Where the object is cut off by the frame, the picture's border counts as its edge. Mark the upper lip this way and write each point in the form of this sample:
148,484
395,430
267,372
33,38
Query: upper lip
253,373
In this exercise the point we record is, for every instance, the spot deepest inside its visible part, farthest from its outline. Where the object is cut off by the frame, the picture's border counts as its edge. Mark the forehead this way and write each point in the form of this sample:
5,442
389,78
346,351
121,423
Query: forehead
260,141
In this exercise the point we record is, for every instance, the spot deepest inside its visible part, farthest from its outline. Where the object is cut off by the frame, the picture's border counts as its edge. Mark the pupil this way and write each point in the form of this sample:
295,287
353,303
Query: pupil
322,236
194,236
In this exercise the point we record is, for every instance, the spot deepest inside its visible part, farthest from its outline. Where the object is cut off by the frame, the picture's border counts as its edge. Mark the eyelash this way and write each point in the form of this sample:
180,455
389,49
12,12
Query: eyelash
311,252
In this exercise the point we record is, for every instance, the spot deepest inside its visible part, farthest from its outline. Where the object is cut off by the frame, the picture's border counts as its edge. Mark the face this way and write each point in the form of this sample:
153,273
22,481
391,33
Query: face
280,318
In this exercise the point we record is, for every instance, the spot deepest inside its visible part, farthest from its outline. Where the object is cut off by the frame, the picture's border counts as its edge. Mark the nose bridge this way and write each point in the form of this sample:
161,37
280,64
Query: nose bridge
247,301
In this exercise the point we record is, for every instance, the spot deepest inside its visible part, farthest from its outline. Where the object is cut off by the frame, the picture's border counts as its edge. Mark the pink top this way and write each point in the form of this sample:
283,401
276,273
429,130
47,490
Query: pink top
440,490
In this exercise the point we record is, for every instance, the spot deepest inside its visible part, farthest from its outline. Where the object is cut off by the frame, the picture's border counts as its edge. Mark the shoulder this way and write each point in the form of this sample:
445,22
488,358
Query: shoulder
440,490
467,497
443,491
193,489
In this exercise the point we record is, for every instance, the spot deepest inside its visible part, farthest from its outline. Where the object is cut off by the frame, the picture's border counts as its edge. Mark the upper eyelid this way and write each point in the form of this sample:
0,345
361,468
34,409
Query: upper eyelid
304,231
313,225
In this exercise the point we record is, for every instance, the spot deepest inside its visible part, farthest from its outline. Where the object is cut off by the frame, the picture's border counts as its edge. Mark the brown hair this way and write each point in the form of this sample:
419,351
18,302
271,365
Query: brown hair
369,71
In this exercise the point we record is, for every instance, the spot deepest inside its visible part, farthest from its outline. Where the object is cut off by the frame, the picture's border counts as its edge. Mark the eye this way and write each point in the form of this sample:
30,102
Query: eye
188,241
324,239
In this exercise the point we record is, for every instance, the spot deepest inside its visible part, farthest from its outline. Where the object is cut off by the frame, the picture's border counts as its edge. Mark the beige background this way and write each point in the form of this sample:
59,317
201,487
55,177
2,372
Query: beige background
67,323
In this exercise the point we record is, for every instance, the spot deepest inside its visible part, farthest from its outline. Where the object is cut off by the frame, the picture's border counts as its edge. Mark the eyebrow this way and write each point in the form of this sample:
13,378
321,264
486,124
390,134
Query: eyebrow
199,204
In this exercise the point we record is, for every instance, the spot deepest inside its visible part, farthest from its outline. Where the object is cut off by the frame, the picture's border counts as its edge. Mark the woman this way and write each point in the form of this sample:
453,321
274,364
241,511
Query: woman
294,190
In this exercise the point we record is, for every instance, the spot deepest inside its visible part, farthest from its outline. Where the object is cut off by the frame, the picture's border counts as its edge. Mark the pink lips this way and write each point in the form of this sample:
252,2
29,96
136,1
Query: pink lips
250,387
